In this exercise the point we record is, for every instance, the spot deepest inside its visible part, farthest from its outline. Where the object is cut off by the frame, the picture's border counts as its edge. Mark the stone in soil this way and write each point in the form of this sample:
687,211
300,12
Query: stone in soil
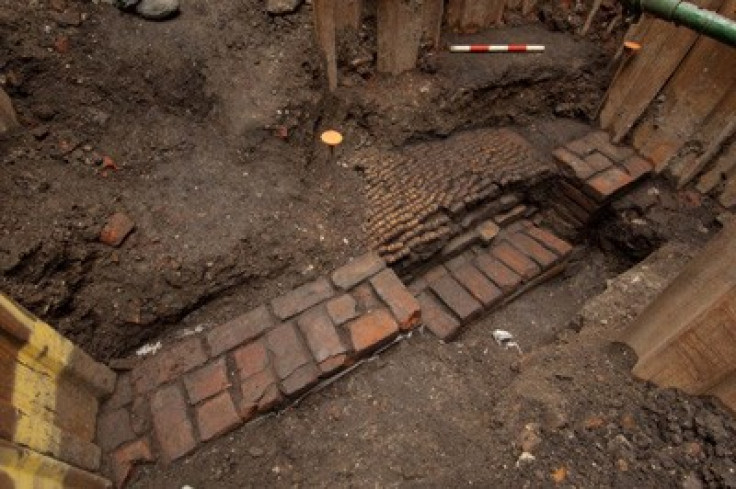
157,9
280,7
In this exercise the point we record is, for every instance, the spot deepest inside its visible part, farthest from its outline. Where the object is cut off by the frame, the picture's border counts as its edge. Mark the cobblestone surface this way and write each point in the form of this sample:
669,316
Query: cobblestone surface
424,195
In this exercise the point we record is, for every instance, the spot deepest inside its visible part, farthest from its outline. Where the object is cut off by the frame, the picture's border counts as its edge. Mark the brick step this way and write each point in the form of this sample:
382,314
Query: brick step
480,280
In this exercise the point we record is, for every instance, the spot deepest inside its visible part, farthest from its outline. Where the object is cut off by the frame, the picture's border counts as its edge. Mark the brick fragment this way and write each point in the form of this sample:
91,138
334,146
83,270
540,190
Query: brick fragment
487,231
637,166
321,335
207,381
126,457
171,423
516,261
300,380
572,165
342,309
117,228
440,322
168,365
478,285
255,390
240,330
371,330
598,162
302,298
403,305
217,416
605,184
358,270
506,279
456,298
533,250
288,351
251,359
114,429
549,240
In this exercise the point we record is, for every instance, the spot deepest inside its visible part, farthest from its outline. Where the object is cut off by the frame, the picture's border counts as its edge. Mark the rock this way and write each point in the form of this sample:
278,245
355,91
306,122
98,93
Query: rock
281,7
8,119
157,9
118,227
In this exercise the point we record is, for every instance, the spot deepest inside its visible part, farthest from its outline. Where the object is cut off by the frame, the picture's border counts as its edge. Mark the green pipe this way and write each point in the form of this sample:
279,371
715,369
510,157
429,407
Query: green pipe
700,20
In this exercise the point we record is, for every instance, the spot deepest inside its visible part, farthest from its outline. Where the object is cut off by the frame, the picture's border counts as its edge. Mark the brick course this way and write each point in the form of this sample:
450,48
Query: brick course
217,416
477,284
439,321
372,330
302,298
171,423
168,365
515,260
239,330
207,381
402,303
456,298
288,351
322,336
358,270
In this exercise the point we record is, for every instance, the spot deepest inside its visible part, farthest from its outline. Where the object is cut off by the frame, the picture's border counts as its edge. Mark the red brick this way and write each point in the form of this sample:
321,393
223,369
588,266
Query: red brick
342,309
454,296
505,279
581,147
607,183
122,395
402,304
207,381
487,231
549,240
251,359
117,228
417,286
477,284
358,270
516,261
578,197
254,390
533,249
511,216
602,143
168,365
572,165
288,351
300,380
217,416
125,458
440,322
598,162
302,298
321,335
366,297
240,330
171,423
435,273
637,167
333,364
114,429
455,263
372,330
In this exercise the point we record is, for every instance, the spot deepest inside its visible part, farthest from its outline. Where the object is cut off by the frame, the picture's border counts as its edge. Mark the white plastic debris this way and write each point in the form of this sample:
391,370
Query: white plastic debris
505,339
148,349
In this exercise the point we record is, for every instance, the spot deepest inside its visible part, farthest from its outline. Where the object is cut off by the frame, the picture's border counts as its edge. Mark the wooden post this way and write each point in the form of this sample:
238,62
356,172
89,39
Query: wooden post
348,14
686,338
400,28
473,15
434,11
324,24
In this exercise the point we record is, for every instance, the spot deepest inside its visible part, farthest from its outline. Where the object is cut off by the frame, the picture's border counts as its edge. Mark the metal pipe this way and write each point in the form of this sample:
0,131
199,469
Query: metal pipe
683,13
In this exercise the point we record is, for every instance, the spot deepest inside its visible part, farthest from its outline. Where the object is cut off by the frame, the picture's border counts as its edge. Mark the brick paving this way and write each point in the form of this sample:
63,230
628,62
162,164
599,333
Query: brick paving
209,384
594,172
423,198
519,257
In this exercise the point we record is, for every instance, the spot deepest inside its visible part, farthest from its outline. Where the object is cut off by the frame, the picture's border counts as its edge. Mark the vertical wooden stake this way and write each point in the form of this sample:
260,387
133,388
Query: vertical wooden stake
324,23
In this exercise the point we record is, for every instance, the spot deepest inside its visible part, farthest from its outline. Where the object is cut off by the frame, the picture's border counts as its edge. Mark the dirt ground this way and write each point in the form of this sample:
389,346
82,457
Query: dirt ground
426,414
212,120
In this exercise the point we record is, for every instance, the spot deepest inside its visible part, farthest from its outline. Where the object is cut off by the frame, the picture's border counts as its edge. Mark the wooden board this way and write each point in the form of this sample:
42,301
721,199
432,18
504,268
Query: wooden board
348,14
722,169
694,91
432,14
324,25
686,338
664,46
400,29
468,16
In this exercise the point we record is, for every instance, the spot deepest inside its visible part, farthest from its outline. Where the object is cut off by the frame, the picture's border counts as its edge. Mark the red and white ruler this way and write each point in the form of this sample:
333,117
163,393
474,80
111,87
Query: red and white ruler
496,48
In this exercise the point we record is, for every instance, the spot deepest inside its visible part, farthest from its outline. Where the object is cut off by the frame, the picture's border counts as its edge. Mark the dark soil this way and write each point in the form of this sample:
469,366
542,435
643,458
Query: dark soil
212,121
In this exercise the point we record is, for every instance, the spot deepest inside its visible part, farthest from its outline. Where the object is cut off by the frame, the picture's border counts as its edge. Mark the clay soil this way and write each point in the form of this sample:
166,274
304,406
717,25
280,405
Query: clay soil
212,121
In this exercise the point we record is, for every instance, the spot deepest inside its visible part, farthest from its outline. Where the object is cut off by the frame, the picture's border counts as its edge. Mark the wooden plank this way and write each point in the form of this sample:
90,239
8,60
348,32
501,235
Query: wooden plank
686,338
699,84
724,166
468,16
400,29
324,26
664,46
